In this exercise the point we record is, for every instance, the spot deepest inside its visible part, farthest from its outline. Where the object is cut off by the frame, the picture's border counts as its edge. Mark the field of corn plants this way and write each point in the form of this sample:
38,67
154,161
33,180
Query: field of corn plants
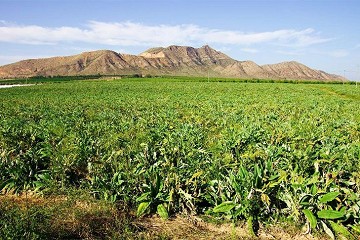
256,152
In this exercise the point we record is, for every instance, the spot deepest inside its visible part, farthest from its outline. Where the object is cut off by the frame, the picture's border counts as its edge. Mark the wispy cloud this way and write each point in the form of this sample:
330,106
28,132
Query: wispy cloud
291,53
224,49
249,50
338,53
138,34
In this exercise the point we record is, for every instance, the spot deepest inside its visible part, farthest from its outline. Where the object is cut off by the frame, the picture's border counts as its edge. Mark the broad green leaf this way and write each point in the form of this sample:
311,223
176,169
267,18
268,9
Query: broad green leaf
257,177
142,208
305,200
163,213
310,217
342,209
328,230
224,207
274,177
235,184
38,185
250,225
239,212
356,228
339,229
330,214
143,197
113,198
329,197
314,189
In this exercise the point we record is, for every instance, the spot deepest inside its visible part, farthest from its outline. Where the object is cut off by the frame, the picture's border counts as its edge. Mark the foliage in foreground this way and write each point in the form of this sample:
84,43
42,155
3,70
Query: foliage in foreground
233,150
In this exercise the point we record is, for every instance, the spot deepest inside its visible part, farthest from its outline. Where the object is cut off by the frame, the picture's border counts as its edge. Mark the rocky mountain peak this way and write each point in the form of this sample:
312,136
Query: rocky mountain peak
171,60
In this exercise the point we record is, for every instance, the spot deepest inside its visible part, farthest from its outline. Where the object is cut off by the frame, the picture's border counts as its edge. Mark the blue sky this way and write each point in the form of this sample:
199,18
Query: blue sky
323,34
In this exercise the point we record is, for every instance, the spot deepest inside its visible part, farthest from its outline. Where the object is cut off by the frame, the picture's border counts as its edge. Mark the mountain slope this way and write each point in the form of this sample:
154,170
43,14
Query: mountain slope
295,70
173,60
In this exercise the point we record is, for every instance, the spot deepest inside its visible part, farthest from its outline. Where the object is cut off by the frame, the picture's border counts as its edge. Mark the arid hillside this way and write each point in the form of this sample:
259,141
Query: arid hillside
173,60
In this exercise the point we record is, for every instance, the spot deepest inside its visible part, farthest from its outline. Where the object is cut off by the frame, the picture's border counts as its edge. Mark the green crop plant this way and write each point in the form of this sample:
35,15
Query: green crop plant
327,200
247,193
232,149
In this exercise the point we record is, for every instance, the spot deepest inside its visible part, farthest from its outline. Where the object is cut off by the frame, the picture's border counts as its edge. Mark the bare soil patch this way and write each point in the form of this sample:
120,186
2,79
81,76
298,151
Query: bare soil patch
180,227
84,218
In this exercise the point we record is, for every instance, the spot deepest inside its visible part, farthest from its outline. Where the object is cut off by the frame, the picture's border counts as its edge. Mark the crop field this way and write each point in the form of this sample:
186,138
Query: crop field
254,152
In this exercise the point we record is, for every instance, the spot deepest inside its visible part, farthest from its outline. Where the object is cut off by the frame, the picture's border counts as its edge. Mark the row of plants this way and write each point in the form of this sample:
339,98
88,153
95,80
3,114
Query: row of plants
146,77
258,152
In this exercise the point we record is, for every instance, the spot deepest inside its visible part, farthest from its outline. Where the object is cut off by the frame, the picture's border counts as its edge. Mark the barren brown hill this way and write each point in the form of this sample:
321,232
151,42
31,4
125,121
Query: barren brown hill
173,60
295,70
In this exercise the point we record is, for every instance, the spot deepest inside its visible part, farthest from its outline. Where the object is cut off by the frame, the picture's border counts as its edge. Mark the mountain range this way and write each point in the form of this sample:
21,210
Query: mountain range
172,60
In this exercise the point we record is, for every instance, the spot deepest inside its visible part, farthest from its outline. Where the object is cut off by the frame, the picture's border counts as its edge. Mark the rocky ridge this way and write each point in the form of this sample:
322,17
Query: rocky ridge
173,60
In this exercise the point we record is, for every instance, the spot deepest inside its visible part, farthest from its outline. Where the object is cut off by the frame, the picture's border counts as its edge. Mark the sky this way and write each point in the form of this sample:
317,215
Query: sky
322,34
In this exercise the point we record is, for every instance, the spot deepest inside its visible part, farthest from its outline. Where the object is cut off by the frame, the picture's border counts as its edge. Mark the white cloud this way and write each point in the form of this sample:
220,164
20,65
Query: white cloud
137,34
249,50
291,53
338,53
223,49
304,38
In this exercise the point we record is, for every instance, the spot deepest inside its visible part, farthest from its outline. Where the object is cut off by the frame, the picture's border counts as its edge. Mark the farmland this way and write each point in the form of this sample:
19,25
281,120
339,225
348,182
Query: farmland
255,152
